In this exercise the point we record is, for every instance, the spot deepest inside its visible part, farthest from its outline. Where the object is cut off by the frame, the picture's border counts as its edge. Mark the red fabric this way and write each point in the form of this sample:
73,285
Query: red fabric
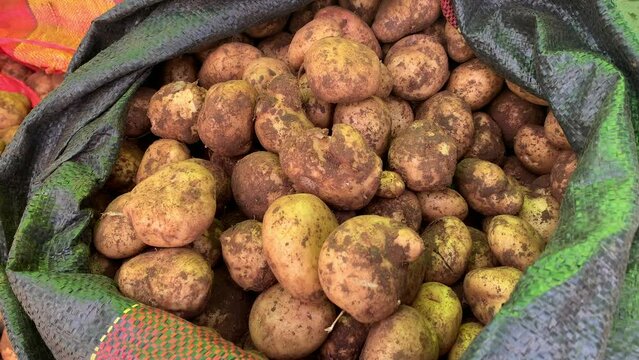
449,12
11,84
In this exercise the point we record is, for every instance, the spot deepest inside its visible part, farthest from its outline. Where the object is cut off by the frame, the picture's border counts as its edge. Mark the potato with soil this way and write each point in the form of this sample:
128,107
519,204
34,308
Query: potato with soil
340,169
414,279
319,112
487,289
561,173
223,192
404,209
353,27
519,91
456,45
515,169
467,333
208,244
424,156
363,264
437,31
261,71
341,70
258,180
405,335
487,189
308,35
385,83
137,122
437,204
180,68
276,46
160,154
452,115
511,113
542,213
176,280
440,306
43,83
480,254
345,341
401,114
487,143
397,18
174,109
365,9
227,62
448,245
226,120
391,185
514,242
244,256
371,118
541,185
267,28
534,150
113,235
102,265
125,168
284,327
475,82
174,206
293,231
554,133
14,107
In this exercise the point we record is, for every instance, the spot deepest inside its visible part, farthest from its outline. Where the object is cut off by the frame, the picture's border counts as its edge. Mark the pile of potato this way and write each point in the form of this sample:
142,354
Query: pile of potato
274,187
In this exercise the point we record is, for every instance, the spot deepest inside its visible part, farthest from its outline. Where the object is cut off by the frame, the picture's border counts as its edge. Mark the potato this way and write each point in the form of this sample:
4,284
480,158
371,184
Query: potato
227,62
404,209
319,112
176,280
404,335
424,156
341,169
180,68
487,189
440,306
476,83
561,173
267,28
437,204
371,118
542,213
137,122
244,256
174,109
452,115
125,168
448,245
541,185
391,185
511,113
362,265
43,83
534,150
174,206
232,217
276,46
204,50
160,154
223,192
487,289
228,308
515,169
467,333
396,18
437,31
284,327
514,242
16,70
14,107
7,134
102,265
208,244
293,231
353,27
305,15
341,70
519,91
385,83
114,236
261,71
554,132
308,35
401,114
456,45
480,254
414,278
365,9
225,123
6,349
487,143
345,341
419,67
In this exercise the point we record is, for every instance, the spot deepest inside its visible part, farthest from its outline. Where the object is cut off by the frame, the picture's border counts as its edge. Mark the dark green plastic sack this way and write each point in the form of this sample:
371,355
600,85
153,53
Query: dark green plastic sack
578,301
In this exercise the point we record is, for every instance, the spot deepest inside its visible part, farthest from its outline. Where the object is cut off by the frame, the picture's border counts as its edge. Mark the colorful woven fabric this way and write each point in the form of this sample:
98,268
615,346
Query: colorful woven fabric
11,84
449,12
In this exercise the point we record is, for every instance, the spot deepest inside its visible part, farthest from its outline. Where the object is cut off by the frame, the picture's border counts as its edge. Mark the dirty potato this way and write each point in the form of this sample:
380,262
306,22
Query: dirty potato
519,91
223,192
391,185
365,9
308,35
261,71
353,27
542,213
319,112
276,46
475,82
437,31
159,154
515,169
511,113
208,244
487,289
125,168
343,215
514,242
437,204
371,118
267,28
345,340
14,107
534,150
386,82
401,114
467,333
456,45
487,143
480,254
396,18
440,306
227,62
174,109
43,83
102,265
137,122
554,133
561,172
113,235
404,209
448,245
541,185
180,68
414,279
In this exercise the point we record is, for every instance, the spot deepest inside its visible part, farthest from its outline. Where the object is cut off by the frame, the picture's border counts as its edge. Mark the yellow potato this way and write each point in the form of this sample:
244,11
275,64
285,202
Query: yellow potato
114,236
534,150
401,114
180,68
365,9
391,185
370,118
276,46
267,28
519,91
511,112
397,18
480,254
467,333
514,242
174,109
448,243
160,154
456,45
475,82
261,71
227,62
437,204
308,35
319,112
487,289
125,168
14,107
561,173
440,306
554,133
487,143
404,208
353,27
137,122
542,213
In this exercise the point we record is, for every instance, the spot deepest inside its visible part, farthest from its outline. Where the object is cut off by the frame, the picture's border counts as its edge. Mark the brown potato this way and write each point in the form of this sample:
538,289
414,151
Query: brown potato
487,189
284,327
371,118
437,31
396,18
308,35
276,46
258,180
341,70
174,206
487,289
437,204
514,242
456,45
386,82
365,9
305,15
487,143
452,115
511,112
403,335
391,185
102,265
345,340
223,192
401,114
176,280
14,107
114,236
267,28
43,83
519,91
404,209
160,154
476,83
440,306
6,349
534,150
561,172
514,168
319,112
208,244
180,68
341,169
480,254
554,133
419,67
125,168
225,123
137,122
293,231
353,27
424,156
227,62
448,245
203,51
174,109
542,213
244,256
362,265
541,185
467,333
261,71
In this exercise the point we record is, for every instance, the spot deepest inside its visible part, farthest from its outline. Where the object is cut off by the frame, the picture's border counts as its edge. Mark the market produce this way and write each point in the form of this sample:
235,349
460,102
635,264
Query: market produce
514,241
440,306
181,68
456,46
511,113
534,150
487,143
391,185
125,168
475,82
173,111
370,118
467,333
448,244
137,122
13,108
404,208
261,71
113,235
561,172
437,204
487,289
346,340
226,63
159,154
396,19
